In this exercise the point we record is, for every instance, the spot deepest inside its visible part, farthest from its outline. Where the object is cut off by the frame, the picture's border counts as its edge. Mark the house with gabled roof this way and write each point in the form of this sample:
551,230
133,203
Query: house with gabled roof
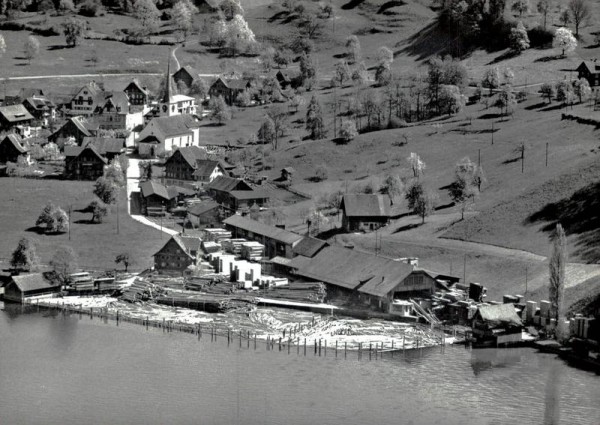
137,94
188,167
204,214
76,128
497,325
13,116
176,255
278,242
86,100
108,147
41,108
115,112
228,89
364,212
185,77
229,191
157,198
287,78
31,285
173,104
88,164
169,132
11,148
590,70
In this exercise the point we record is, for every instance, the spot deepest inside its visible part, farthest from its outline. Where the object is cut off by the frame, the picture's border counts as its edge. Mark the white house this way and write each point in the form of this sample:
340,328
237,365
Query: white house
167,133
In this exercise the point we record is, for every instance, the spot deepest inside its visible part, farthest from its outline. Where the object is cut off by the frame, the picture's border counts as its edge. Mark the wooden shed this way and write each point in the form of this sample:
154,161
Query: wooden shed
31,285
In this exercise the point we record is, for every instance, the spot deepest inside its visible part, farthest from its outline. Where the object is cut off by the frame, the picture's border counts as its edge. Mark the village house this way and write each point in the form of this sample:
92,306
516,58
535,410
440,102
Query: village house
180,167
228,89
157,199
176,255
204,214
185,77
235,194
75,127
590,70
137,94
364,212
175,104
28,286
206,171
41,108
288,79
108,147
166,133
24,93
14,116
11,149
497,325
278,242
244,200
86,100
88,164
116,113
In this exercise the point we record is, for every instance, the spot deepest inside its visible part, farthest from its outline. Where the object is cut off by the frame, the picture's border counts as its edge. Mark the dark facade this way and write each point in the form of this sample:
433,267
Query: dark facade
137,94
185,76
88,165
228,90
173,256
74,127
590,71
11,149
362,212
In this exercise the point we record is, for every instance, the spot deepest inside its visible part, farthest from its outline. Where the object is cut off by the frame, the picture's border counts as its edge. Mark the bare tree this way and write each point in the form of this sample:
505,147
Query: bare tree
581,13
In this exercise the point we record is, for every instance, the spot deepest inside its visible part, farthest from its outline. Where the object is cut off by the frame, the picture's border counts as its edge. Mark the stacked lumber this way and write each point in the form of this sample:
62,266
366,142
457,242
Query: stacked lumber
298,291
252,250
141,290
233,246
175,282
216,235
210,247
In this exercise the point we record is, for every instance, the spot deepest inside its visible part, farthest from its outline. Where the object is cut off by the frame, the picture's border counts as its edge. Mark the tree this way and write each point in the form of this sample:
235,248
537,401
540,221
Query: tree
547,91
321,173
145,170
581,12
2,45
73,29
393,187
266,132
491,79
302,45
359,75
24,257
107,190
385,55
114,172
421,201
505,100
308,71
53,219
314,119
416,165
311,27
199,89
182,14
383,74
543,7
282,57
278,116
565,92
220,112
243,99
519,40
582,89
125,259
147,13
341,72
565,17
520,6
353,49
465,187
231,8
66,6
32,48
558,264
64,263
98,209
297,101
450,100
563,39
239,36
348,130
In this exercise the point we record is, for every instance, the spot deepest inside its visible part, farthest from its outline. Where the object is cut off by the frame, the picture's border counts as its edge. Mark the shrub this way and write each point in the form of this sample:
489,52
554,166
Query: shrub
396,122
321,173
540,37
90,8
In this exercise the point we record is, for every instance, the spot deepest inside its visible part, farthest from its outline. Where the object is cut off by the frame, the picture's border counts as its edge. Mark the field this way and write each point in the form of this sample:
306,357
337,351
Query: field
96,245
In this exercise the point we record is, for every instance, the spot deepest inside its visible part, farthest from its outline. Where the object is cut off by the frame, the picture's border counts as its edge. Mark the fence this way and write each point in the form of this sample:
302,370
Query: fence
288,340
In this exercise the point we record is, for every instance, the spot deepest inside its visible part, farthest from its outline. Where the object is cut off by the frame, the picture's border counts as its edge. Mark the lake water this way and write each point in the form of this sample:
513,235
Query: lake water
58,369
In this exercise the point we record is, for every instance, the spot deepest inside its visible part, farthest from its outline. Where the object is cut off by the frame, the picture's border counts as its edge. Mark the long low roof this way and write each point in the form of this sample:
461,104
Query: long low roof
256,227
355,270
33,282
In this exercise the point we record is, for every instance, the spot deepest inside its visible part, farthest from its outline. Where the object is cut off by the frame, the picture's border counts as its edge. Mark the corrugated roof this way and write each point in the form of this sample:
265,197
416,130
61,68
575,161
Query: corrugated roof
33,282
15,113
352,269
205,167
258,228
200,208
15,141
363,205
227,184
150,187
500,314
309,246
175,125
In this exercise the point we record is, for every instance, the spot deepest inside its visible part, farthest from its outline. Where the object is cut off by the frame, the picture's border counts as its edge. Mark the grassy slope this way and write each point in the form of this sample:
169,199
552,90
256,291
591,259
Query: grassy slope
96,244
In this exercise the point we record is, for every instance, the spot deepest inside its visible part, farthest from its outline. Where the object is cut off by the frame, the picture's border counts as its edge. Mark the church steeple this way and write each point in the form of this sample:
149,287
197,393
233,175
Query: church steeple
169,92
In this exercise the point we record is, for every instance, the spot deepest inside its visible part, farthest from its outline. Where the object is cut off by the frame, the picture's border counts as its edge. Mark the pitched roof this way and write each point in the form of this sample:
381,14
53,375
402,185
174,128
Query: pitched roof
191,154
227,184
237,83
200,208
15,113
86,127
150,187
175,125
30,92
309,246
352,269
151,138
205,167
191,243
180,242
40,103
118,99
501,314
192,72
258,228
250,194
105,145
592,67
137,85
362,205
94,151
15,141
33,282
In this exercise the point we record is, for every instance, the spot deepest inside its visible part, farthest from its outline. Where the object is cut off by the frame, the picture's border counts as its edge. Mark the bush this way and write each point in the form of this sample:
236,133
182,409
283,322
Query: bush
540,37
90,8
321,173
396,122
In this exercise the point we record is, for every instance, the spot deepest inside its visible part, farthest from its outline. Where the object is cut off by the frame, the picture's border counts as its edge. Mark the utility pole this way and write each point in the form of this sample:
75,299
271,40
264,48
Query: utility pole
465,270
479,158
70,208
492,132
523,158
526,278
117,215
546,154
334,112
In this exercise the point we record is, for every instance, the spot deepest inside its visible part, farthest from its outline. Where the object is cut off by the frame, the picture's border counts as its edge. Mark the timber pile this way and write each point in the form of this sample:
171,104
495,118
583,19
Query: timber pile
141,290
233,246
252,251
210,247
208,304
168,282
216,235
298,291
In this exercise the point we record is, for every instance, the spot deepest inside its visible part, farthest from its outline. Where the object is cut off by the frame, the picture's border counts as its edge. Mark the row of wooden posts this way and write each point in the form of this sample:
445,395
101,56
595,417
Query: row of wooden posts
319,346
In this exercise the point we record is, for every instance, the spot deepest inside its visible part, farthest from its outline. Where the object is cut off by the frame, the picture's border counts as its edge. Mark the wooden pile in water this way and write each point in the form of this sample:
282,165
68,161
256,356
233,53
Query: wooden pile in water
298,291
252,250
